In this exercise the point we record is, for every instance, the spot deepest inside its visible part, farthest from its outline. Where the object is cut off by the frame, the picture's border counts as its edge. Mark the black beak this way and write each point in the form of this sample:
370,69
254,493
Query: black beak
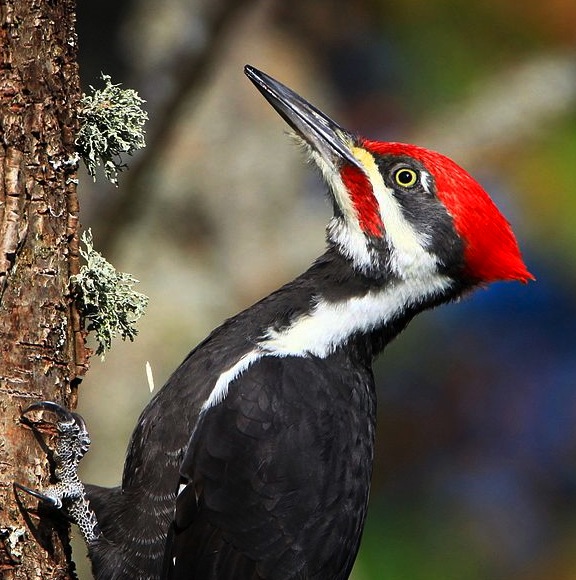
325,136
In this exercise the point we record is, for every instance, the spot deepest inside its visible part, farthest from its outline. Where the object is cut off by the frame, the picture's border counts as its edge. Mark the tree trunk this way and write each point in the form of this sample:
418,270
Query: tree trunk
42,354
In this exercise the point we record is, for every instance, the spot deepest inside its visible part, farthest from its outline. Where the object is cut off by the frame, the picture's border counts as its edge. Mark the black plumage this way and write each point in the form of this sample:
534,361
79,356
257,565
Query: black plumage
281,473
280,470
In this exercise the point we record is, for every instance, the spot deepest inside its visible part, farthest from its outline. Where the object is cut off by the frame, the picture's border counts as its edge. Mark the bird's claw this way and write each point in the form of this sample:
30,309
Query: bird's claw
50,500
70,428
61,411
71,445
72,442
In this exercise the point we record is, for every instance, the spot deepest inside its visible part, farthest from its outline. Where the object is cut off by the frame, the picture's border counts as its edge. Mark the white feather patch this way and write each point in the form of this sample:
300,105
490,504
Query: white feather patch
408,247
220,390
345,233
331,324
352,244
149,376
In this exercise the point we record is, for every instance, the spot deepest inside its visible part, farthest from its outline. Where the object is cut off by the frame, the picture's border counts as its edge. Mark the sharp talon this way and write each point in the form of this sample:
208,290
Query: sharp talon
66,418
70,442
63,413
53,502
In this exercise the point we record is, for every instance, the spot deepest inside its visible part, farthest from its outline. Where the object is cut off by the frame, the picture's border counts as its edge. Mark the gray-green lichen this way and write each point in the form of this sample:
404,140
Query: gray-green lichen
111,123
106,298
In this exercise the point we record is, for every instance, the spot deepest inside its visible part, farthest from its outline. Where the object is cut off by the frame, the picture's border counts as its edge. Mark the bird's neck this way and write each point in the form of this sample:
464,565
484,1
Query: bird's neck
330,309
338,305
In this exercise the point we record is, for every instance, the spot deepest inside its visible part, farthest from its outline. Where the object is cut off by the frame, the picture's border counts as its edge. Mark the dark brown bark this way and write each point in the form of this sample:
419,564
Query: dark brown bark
42,353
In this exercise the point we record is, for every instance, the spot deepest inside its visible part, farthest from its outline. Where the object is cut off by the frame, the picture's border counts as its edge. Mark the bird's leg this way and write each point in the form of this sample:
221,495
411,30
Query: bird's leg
68,492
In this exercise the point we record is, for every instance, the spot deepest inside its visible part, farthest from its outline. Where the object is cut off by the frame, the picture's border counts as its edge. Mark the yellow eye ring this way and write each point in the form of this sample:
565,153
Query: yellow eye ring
405,177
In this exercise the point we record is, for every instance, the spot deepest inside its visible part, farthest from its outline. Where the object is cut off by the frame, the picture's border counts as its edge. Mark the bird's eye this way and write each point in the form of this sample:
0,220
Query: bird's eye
405,177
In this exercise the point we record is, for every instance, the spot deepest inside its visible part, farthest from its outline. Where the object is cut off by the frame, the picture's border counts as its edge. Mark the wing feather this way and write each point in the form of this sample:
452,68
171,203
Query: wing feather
278,475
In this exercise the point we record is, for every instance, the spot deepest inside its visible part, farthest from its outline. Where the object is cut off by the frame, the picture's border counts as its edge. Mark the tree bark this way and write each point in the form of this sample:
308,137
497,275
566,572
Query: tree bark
42,353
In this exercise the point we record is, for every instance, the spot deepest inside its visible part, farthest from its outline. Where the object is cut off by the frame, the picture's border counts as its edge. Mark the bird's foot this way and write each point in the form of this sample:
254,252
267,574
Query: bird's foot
68,492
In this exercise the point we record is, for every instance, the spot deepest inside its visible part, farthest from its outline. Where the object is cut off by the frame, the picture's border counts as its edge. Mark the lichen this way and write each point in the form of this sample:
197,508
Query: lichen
13,536
111,124
106,298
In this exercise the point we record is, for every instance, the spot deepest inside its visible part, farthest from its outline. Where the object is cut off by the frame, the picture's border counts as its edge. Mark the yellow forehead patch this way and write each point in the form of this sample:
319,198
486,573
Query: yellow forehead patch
368,162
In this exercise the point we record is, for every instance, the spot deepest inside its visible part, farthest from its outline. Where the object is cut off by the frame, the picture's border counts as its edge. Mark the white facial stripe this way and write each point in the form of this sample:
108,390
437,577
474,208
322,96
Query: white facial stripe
331,324
346,234
341,193
409,256
426,179
351,243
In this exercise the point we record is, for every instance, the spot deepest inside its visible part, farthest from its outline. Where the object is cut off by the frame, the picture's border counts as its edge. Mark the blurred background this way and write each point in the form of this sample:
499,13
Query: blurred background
475,466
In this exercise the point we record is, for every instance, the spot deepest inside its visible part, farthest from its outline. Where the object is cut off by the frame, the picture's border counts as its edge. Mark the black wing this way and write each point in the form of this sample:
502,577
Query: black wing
278,475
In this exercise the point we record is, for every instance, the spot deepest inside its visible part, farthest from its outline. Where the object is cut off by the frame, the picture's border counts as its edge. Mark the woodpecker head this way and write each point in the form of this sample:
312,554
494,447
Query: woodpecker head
399,208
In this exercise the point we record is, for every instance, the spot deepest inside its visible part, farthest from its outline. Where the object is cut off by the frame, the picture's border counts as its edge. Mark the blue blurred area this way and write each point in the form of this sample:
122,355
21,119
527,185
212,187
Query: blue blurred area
477,423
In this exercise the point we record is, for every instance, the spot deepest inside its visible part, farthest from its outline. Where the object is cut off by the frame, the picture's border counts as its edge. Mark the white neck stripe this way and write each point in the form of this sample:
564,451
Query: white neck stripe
345,231
220,389
409,256
331,324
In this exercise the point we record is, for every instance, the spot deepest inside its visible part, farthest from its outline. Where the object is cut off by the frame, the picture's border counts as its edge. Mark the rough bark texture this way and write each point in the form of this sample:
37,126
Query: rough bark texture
42,352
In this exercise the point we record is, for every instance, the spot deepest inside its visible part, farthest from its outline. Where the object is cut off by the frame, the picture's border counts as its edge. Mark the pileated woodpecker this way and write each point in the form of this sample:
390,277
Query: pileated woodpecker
254,460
